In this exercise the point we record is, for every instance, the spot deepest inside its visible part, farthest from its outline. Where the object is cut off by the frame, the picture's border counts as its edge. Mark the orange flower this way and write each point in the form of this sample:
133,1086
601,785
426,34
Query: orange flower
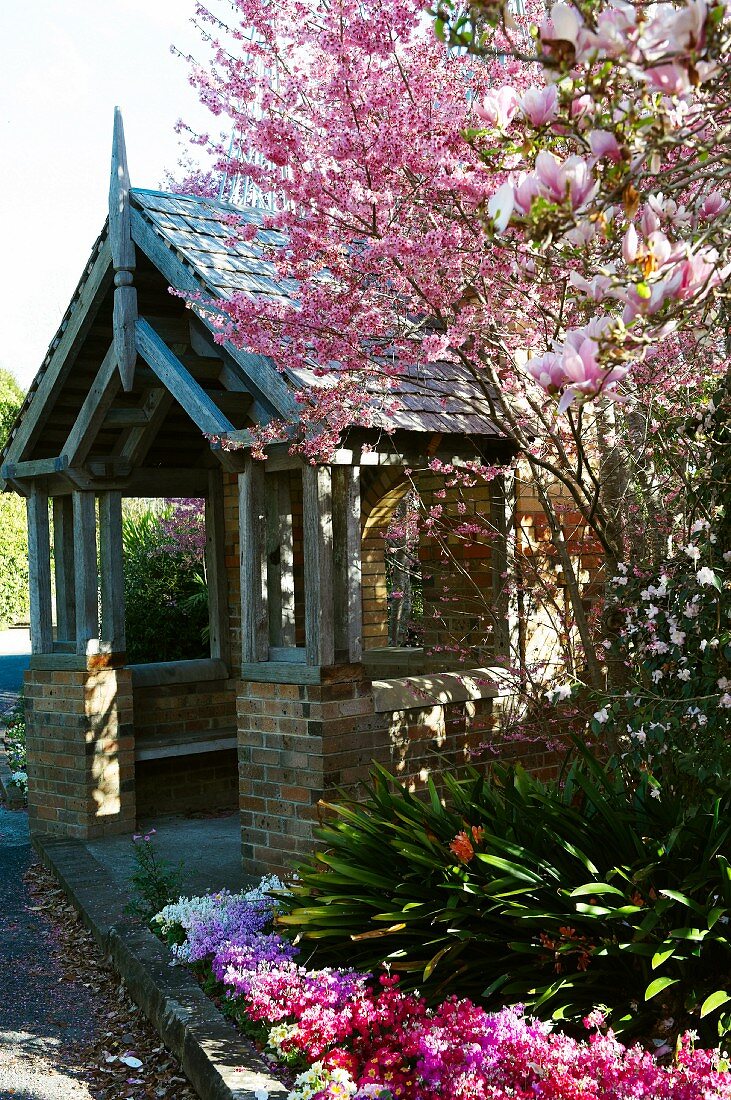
478,833
462,847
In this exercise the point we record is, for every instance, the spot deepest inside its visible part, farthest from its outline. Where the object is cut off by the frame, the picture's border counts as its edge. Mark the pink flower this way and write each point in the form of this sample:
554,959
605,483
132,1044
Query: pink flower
540,105
669,79
604,144
499,107
500,206
713,205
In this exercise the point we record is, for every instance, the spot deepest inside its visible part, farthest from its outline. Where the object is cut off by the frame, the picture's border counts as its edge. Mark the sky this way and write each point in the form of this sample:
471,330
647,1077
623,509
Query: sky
64,65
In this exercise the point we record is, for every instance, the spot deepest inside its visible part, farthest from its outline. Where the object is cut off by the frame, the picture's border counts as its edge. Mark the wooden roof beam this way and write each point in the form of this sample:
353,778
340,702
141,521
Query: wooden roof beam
124,258
263,380
180,382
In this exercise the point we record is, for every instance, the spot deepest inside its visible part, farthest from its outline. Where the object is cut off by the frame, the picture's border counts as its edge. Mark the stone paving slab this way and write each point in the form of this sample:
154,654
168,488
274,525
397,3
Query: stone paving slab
218,1061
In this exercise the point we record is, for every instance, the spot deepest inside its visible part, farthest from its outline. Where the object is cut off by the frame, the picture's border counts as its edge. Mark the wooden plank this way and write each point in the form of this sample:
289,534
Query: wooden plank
290,654
180,382
85,573
40,467
111,560
252,522
103,390
125,418
178,672
348,607
39,568
318,550
60,360
166,750
218,620
123,258
63,556
265,381
277,672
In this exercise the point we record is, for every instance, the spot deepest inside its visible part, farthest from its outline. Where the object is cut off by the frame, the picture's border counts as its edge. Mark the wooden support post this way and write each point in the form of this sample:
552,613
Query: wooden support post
280,561
39,566
112,571
347,596
318,548
85,573
216,570
63,555
252,526
504,579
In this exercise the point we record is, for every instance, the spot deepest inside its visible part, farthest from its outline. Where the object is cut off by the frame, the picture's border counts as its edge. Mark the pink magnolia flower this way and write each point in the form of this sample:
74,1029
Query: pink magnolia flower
540,105
713,204
498,108
604,144
671,79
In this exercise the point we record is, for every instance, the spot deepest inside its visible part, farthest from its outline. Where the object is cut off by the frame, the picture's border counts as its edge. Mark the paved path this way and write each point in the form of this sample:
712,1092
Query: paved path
14,658
42,1017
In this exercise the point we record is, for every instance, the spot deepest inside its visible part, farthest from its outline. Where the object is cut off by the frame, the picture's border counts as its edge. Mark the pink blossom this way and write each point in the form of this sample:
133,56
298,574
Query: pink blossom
540,105
671,79
498,108
604,144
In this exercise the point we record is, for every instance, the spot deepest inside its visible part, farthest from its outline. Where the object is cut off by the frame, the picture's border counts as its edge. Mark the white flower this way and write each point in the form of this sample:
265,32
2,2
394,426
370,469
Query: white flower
677,637
657,676
692,551
601,716
727,555
559,693
652,611
654,792
705,575
639,736
619,580
723,683
725,700
684,675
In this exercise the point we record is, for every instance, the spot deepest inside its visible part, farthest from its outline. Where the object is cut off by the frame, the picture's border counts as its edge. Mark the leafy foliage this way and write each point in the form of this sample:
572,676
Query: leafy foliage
155,881
160,577
559,897
14,560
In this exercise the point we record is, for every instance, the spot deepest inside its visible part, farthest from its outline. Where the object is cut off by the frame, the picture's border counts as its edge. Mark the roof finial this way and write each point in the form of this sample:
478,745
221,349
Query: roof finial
123,257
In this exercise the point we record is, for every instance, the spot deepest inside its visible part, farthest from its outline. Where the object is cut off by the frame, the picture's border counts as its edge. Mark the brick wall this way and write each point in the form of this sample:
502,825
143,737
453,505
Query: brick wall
206,782
169,709
80,752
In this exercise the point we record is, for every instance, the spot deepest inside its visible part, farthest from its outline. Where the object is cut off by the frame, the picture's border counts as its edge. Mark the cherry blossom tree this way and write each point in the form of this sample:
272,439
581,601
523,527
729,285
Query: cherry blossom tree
542,198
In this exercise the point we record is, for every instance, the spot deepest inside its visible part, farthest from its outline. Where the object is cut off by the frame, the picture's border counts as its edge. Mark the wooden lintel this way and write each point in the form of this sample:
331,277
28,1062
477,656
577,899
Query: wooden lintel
40,467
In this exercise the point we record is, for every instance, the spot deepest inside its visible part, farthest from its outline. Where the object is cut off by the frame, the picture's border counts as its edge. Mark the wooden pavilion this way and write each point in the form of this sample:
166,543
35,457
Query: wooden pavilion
134,399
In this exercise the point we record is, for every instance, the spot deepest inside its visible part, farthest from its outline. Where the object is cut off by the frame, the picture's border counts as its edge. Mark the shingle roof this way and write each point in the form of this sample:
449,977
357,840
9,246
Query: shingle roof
438,397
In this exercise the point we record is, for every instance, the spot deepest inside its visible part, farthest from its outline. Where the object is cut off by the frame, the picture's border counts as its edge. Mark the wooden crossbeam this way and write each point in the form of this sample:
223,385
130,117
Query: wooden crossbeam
126,418
39,467
180,382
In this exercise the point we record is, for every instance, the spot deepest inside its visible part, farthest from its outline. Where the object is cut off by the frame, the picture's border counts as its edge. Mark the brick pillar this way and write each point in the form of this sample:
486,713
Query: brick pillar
80,752
298,744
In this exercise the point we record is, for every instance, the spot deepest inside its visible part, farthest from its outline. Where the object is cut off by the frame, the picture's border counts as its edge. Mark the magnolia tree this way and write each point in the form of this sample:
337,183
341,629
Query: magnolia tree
541,198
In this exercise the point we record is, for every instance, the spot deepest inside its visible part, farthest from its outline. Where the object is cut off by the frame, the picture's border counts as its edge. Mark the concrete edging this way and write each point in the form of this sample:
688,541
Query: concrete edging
218,1061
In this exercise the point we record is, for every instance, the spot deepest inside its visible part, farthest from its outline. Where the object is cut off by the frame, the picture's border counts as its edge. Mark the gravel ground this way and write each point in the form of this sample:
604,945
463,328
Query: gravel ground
68,1030
42,1018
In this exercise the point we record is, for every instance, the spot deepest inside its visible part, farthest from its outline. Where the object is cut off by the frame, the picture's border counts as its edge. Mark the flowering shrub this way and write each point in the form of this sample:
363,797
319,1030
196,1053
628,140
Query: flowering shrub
349,1036
553,896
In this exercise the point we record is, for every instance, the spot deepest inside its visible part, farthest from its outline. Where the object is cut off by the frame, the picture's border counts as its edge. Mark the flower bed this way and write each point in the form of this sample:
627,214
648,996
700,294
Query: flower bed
341,1033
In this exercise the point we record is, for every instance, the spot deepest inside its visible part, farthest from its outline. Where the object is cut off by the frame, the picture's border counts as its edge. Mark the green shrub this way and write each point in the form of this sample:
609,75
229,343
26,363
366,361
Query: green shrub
163,623
14,558
560,897
13,561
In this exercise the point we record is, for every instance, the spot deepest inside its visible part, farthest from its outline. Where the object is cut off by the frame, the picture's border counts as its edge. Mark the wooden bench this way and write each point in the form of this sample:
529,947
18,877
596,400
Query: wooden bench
190,743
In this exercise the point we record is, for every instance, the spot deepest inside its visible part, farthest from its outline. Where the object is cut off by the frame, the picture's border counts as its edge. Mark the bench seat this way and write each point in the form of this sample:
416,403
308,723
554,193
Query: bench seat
185,744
